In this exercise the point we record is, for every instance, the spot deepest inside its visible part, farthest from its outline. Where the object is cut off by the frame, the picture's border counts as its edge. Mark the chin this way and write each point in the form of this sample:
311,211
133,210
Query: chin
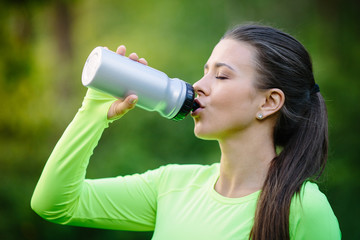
201,134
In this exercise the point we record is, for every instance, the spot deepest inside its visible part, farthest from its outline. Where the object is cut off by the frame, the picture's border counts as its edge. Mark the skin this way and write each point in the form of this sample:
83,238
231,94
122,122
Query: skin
230,104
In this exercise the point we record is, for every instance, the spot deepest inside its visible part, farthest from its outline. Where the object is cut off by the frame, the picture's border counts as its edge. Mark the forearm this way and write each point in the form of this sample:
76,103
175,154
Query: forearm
60,184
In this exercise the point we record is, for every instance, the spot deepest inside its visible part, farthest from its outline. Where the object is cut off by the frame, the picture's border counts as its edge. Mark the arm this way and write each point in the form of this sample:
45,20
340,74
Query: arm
62,194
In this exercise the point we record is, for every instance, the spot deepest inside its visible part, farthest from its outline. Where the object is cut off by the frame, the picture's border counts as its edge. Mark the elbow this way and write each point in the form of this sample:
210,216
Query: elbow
40,203
39,206
48,211
36,206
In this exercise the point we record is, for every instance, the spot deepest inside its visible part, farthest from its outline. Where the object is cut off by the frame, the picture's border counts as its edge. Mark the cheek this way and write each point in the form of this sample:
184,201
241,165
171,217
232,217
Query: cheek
235,106
234,99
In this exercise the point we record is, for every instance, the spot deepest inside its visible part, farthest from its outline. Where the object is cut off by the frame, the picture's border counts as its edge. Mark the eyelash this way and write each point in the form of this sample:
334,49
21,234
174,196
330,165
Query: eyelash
221,77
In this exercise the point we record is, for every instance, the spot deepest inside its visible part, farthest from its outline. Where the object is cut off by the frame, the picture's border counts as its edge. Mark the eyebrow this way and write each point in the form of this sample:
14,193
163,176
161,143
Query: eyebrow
220,64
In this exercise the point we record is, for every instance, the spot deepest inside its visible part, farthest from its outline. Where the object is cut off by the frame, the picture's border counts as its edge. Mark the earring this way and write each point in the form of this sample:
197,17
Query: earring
259,116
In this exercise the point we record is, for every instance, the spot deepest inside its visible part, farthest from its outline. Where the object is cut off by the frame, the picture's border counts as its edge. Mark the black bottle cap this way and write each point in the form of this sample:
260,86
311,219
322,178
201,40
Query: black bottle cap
188,104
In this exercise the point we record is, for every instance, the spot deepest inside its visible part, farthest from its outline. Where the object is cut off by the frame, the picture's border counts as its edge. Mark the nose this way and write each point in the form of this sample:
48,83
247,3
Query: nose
201,87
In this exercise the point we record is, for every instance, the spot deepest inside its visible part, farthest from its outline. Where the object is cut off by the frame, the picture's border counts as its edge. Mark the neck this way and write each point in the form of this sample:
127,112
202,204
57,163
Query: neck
245,160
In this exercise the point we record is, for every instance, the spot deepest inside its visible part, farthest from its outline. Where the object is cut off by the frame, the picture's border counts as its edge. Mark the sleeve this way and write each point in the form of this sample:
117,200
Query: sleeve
62,194
312,217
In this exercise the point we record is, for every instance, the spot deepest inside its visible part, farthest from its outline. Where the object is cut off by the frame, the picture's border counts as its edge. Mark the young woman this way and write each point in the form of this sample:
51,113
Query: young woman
257,95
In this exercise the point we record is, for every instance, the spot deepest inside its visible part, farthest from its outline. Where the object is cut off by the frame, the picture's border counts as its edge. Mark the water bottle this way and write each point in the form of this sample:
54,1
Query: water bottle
120,76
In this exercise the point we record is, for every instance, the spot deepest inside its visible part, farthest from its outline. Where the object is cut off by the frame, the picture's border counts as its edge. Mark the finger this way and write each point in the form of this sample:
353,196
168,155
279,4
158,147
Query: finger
106,48
126,105
121,107
133,56
143,61
132,100
121,50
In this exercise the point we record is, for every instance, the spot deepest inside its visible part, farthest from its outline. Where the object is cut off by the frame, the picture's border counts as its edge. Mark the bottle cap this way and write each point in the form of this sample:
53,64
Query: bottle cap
188,104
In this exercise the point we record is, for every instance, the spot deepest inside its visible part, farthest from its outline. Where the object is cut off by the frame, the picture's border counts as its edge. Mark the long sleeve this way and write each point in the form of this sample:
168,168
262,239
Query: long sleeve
64,196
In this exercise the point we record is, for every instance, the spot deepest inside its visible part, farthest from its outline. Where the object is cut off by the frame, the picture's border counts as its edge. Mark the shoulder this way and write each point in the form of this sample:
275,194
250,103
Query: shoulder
176,175
311,216
189,172
310,200
192,169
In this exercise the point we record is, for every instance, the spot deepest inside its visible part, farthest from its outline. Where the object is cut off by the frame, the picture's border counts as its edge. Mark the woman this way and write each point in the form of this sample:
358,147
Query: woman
257,96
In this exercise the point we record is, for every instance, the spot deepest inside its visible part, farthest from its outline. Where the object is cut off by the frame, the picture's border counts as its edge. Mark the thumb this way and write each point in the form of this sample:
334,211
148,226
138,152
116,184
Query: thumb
121,107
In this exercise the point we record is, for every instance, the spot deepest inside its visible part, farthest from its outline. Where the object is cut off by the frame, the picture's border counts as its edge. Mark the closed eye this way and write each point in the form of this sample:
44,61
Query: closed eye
221,77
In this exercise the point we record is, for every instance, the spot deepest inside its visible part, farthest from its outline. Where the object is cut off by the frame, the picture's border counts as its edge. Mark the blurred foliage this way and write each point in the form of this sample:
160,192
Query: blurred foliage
44,45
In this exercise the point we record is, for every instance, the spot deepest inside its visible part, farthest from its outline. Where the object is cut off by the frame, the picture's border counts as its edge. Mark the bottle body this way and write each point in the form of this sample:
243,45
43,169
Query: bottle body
120,76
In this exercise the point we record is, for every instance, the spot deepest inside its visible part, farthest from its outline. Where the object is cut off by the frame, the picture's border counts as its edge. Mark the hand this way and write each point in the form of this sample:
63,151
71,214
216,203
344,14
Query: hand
122,106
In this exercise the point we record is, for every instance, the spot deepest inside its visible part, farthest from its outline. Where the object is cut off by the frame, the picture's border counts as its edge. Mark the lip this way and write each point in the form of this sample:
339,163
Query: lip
198,110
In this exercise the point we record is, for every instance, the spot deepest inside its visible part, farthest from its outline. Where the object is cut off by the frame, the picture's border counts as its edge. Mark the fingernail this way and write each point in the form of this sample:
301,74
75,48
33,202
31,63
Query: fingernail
133,101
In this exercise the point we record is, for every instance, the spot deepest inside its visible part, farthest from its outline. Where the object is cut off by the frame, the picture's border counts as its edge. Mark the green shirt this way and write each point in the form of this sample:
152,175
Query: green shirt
174,201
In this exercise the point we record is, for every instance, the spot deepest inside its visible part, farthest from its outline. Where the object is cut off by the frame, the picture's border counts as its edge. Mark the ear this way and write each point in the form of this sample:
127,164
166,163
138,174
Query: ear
273,101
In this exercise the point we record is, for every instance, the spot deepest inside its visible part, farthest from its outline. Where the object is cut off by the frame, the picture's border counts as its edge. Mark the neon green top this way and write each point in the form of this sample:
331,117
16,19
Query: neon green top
174,201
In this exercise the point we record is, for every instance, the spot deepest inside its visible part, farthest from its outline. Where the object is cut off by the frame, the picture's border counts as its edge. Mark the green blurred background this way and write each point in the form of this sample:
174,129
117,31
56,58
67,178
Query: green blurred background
44,44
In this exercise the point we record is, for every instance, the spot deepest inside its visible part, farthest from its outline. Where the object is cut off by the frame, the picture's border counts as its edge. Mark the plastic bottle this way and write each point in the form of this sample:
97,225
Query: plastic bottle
120,76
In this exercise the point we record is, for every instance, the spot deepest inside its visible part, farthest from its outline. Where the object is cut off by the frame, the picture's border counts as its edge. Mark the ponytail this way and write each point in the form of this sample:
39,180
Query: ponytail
301,129
303,156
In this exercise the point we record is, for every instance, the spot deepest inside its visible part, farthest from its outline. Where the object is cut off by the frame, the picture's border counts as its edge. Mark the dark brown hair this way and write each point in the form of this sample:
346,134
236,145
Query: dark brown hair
301,129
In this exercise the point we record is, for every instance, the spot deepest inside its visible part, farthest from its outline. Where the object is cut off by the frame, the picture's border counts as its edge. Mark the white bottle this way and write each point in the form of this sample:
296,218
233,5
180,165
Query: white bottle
120,76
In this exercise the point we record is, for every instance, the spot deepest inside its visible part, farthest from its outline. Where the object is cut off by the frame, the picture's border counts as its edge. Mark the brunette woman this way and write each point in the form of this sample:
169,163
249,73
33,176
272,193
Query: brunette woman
259,100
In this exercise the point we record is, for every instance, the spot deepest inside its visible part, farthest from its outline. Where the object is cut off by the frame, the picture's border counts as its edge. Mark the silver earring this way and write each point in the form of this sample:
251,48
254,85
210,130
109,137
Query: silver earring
259,116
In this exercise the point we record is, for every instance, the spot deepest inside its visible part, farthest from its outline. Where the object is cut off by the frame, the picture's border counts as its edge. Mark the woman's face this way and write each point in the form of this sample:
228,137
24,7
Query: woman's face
227,95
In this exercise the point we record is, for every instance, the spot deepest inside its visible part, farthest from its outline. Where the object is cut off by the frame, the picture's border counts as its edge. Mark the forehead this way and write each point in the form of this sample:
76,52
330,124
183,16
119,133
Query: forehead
233,52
